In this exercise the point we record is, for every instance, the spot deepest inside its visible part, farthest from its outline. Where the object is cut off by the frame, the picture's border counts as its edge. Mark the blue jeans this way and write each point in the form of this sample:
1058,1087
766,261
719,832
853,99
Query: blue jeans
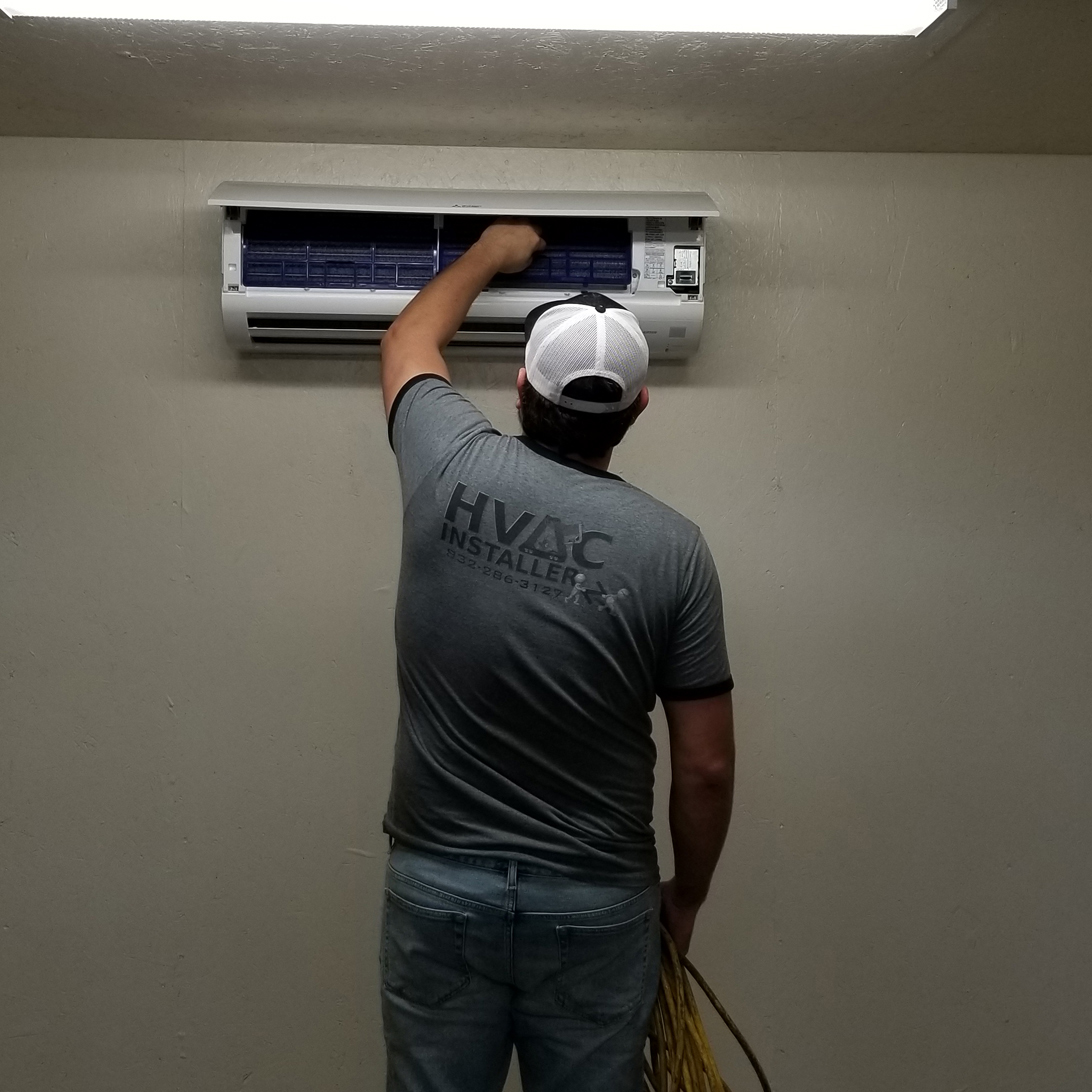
480,955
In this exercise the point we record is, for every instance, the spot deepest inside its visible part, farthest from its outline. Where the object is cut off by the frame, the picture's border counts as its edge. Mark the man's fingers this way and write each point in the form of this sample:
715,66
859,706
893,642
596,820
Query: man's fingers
513,242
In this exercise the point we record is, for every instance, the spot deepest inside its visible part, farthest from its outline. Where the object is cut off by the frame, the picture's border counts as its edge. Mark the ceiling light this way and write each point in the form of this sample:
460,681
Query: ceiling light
814,17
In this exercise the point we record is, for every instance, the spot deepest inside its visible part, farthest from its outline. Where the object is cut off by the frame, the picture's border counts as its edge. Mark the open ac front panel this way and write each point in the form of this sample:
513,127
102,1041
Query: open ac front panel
318,270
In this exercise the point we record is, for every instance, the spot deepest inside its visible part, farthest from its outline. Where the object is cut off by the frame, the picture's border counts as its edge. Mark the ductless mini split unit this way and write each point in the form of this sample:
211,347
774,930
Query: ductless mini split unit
320,270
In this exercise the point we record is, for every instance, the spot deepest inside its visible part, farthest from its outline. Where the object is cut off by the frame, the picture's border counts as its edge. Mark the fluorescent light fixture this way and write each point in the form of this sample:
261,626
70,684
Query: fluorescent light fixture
814,17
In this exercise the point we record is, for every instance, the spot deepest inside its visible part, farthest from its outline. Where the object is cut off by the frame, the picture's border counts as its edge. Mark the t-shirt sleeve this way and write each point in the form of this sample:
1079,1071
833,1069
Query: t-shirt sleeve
696,663
429,421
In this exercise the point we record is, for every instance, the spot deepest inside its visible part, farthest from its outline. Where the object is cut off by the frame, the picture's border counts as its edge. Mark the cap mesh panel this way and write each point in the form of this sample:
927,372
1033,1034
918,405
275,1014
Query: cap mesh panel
573,340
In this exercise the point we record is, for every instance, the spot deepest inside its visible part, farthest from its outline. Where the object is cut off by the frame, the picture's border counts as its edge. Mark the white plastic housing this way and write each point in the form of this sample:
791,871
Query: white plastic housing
667,247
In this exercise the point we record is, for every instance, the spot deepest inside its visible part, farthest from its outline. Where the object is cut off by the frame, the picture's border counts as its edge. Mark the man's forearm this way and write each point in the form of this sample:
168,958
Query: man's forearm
412,346
699,811
703,766
435,314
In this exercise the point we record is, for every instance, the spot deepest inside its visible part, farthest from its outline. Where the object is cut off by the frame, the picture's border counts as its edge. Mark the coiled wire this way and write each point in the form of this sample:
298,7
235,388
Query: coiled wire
680,1057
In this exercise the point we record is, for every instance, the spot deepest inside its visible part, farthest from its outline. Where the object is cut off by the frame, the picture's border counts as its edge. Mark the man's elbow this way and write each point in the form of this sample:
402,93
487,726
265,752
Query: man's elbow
406,339
390,342
711,776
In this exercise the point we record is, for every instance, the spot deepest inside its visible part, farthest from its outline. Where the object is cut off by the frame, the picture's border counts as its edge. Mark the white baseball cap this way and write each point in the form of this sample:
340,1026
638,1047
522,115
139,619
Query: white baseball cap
585,335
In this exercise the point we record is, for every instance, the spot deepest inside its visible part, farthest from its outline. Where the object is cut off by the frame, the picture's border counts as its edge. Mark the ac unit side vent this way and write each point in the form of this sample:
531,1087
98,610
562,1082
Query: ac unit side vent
362,250
337,250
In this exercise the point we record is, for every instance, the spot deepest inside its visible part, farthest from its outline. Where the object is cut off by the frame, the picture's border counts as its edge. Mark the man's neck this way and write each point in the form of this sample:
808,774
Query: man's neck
602,463
597,464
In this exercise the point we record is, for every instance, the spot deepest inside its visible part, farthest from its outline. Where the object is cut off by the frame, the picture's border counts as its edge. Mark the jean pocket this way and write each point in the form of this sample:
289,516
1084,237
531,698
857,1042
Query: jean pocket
603,968
423,952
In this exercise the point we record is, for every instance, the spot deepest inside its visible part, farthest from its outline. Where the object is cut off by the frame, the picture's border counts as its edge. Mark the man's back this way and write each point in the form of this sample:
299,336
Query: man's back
543,605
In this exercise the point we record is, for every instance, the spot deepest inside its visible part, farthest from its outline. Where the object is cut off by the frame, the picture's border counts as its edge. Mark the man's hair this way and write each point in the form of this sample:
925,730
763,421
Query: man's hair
588,435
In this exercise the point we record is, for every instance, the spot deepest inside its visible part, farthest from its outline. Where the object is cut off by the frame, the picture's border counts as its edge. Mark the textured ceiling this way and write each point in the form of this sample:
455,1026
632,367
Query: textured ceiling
994,76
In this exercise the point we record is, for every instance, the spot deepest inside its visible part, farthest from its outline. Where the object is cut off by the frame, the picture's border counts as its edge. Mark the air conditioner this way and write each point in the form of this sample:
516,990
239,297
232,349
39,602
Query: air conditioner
327,269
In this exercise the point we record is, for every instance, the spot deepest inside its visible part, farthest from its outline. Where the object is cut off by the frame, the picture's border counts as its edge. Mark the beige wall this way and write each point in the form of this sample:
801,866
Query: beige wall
886,438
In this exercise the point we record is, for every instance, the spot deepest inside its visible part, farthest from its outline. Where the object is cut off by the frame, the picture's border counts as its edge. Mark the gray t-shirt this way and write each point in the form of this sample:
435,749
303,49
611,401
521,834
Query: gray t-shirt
542,606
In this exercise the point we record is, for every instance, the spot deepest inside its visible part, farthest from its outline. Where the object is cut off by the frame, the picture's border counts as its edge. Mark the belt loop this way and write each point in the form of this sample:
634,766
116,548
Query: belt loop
510,893
510,919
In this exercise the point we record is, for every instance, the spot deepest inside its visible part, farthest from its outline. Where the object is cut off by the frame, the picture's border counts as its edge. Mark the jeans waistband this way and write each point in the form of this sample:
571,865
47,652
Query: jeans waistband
494,864
494,884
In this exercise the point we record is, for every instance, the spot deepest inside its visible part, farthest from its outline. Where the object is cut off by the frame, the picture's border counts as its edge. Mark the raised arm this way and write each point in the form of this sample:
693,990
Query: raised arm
415,340
703,757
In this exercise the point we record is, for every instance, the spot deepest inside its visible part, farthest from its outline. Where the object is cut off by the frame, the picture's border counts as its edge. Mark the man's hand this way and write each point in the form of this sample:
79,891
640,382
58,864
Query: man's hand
678,915
511,244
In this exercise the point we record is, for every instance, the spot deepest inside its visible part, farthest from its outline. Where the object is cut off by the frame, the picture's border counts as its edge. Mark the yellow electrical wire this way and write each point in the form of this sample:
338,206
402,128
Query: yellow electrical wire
680,1057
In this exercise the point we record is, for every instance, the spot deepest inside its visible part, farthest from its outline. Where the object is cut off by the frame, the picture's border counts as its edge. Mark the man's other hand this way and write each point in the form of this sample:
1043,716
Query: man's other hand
678,915
511,243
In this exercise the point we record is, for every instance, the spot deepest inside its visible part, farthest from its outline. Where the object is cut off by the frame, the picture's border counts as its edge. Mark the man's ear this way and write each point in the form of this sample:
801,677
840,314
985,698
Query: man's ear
642,402
521,382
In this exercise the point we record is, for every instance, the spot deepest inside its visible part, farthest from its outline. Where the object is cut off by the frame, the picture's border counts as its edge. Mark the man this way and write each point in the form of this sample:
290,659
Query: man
543,605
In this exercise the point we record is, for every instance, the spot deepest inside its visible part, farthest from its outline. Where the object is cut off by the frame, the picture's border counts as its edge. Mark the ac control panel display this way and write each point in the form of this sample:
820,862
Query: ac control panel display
685,271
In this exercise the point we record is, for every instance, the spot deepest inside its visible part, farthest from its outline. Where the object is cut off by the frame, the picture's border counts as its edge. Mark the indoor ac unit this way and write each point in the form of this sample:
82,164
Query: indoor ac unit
326,269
